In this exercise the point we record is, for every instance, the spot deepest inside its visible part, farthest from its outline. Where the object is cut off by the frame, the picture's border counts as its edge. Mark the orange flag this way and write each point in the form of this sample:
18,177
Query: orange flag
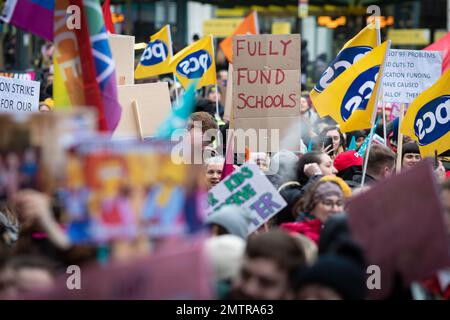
248,26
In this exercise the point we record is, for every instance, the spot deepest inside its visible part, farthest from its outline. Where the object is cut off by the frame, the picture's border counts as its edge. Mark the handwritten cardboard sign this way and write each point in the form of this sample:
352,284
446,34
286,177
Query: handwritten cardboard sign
266,83
247,187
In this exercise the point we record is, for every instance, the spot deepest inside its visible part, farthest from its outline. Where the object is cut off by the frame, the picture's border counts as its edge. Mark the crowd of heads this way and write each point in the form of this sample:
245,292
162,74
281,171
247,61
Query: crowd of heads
306,251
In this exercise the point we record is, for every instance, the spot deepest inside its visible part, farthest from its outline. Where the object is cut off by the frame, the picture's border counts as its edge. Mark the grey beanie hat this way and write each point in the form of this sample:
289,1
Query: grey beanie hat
236,220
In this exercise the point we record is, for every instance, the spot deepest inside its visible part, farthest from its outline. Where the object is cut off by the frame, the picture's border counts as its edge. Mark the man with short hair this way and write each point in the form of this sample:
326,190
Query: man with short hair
380,165
269,264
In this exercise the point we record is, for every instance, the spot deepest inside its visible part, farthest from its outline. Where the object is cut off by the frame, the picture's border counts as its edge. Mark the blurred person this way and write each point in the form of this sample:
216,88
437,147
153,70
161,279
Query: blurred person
336,238
321,200
9,229
224,253
261,159
312,165
360,136
222,78
25,275
348,164
306,111
203,131
214,94
230,219
269,263
380,165
332,277
309,247
214,168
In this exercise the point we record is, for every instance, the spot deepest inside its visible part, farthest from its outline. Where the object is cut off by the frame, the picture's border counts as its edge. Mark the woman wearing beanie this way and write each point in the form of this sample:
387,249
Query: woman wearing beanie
322,199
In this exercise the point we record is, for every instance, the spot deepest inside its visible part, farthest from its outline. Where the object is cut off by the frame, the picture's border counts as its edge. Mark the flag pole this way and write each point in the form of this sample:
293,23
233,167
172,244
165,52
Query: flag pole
217,97
400,139
175,82
374,114
383,106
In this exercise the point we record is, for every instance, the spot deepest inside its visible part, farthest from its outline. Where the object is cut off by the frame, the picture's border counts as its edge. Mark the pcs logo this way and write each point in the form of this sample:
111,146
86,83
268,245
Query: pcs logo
194,65
432,120
156,52
359,92
345,59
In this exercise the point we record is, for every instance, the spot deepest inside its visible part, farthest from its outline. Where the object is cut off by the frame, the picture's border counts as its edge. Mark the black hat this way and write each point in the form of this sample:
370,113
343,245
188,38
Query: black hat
337,273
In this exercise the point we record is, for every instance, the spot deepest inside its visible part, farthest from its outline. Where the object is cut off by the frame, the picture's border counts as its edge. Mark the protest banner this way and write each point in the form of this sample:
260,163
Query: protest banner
144,107
158,276
29,75
247,187
410,72
32,148
107,195
266,85
122,48
19,96
400,228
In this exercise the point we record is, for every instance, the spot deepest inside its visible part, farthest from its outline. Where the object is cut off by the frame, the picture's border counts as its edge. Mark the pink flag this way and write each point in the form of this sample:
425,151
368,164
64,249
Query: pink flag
35,16
228,167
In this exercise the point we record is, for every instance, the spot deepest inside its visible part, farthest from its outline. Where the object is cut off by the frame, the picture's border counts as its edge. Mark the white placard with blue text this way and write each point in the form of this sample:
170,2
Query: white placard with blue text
247,187
408,73
19,96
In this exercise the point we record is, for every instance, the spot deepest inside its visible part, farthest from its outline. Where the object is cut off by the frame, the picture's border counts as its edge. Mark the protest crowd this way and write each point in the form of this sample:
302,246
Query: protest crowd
338,195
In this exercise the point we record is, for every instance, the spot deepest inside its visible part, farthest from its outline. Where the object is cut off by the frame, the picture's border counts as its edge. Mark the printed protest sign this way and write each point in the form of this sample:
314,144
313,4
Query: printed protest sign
124,189
399,224
247,187
408,73
29,75
18,96
266,84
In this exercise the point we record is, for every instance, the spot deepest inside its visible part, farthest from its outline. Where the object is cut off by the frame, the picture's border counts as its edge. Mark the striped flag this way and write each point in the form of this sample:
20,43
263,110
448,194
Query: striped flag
35,16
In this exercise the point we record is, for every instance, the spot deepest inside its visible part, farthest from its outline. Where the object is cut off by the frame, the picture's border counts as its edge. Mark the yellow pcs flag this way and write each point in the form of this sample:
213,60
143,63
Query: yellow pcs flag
352,51
428,118
349,99
196,62
156,57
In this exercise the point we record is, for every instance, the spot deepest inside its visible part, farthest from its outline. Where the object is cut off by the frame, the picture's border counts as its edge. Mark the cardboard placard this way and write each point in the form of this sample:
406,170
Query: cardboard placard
410,72
399,224
153,105
156,277
122,48
19,96
247,187
266,82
